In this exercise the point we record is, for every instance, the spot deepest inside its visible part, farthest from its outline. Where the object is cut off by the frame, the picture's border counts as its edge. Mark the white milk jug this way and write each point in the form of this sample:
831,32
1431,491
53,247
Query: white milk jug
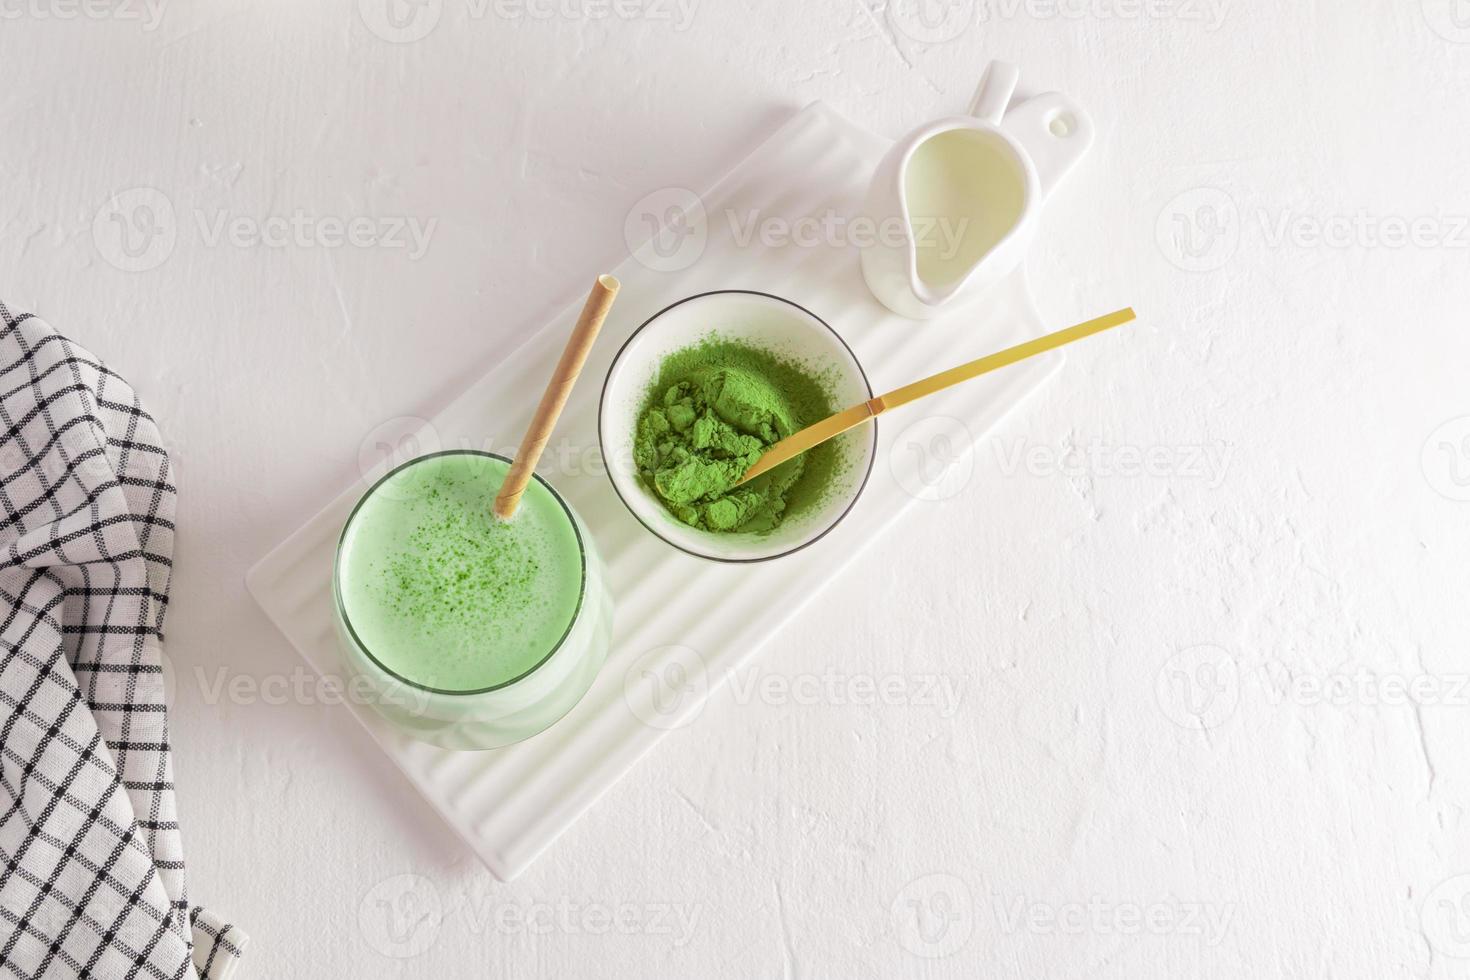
957,199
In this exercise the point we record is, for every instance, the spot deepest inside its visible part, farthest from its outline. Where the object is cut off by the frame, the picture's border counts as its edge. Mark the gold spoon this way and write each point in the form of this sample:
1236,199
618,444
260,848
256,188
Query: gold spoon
814,435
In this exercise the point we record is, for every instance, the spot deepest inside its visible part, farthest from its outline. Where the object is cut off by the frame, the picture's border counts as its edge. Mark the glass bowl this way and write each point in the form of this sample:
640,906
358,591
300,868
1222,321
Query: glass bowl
759,320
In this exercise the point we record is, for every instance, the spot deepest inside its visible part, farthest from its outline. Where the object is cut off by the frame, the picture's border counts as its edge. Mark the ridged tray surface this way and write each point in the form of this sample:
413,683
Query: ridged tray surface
667,656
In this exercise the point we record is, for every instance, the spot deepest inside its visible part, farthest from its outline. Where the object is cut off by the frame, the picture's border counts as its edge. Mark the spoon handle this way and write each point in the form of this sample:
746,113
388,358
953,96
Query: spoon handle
1000,359
814,435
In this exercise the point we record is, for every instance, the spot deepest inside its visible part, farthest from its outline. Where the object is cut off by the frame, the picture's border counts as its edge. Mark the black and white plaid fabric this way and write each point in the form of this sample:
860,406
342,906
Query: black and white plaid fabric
91,865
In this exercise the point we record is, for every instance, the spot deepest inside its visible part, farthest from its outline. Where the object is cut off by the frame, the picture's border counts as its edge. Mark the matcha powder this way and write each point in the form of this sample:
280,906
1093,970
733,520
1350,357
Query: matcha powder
713,409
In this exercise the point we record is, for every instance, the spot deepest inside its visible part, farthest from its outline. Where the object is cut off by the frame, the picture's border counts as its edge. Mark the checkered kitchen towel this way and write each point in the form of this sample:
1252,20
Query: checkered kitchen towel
91,866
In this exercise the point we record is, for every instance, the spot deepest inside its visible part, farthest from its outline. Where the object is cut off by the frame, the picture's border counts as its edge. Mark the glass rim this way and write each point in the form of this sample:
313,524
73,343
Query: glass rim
449,692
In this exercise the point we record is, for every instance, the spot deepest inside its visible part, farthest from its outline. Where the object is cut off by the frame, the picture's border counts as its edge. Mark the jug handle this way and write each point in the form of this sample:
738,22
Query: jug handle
994,92
1055,131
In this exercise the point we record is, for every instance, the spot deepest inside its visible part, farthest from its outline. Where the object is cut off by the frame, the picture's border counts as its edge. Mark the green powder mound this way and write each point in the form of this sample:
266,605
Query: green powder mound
713,409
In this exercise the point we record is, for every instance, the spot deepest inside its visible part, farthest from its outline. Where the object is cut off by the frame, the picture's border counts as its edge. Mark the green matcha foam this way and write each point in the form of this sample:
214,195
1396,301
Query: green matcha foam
442,593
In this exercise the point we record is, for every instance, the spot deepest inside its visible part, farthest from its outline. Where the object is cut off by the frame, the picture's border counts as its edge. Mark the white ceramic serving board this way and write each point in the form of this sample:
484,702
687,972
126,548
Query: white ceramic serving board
510,804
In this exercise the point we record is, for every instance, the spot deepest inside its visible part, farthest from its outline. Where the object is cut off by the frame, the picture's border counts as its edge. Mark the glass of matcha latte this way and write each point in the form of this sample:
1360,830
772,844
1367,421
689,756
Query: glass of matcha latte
471,631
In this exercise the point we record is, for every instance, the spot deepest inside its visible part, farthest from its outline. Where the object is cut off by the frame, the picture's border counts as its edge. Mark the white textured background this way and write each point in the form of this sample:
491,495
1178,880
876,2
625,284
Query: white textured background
1211,722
